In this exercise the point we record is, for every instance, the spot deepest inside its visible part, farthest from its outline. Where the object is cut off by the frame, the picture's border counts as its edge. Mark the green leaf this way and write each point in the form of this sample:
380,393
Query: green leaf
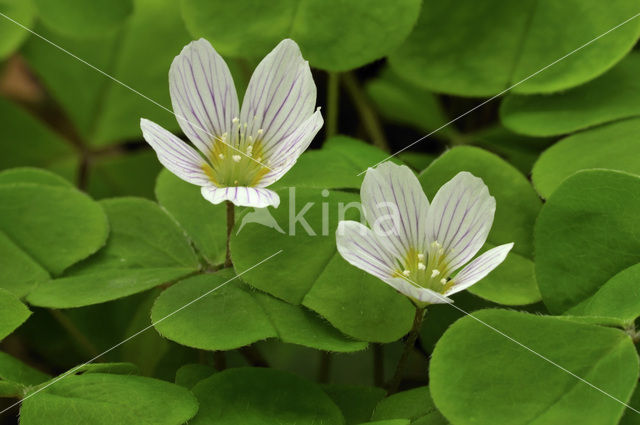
73,227
416,160
310,271
145,249
357,403
389,422
236,315
517,205
130,174
16,377
403,102
103,399
104,112
520,151
118,368
631,417
147,349
361,154
25,141
338,165
474,370
18,271
586,234
440,316
78,18
12,369
415,404
445,54
333,35
190,374
607,98
33,175
256,396
616,298
203,221
12,34
12,313
613,146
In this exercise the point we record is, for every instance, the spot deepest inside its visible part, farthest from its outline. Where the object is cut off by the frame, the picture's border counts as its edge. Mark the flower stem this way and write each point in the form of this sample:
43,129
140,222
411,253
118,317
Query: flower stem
253,356
367,114
231,218
333,100
75,333
409,342
219,360
324,368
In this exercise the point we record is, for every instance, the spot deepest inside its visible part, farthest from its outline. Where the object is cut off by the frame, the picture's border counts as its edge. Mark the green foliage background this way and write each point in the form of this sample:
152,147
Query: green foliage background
97,242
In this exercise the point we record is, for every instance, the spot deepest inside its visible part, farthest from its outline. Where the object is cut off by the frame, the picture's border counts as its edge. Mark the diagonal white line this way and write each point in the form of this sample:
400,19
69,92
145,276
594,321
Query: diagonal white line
505,90
71,371
114,79
531,350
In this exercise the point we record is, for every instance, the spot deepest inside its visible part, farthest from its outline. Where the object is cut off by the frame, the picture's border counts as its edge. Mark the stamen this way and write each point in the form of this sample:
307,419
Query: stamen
235,120
443,281
260,131
406,272
434,273
420,257
236,158
421,266
221,155
235,182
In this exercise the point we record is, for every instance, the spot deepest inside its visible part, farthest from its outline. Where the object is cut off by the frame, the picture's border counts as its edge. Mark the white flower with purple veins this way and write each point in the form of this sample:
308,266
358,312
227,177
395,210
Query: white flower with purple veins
416,247
241,151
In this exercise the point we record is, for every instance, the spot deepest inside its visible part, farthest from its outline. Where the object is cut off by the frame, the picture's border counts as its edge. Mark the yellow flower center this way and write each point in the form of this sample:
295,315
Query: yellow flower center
237,161
428,271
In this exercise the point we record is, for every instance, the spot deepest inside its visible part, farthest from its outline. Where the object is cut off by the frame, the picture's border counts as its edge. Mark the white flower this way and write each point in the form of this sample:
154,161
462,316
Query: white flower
241,152
416,247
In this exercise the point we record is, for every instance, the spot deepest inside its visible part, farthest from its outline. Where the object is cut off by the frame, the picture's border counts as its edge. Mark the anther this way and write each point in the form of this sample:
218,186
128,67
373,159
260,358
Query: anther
221,155
443,281
236,158
260,131
421,266
434,273
406,272
235,120
420,257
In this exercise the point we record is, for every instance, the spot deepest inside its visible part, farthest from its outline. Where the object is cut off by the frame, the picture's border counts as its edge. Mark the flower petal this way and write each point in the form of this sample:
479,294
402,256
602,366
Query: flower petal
281,94
395,207
242,196
416,293
286,153
203,95
460,218
479,268
177,156
359,246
